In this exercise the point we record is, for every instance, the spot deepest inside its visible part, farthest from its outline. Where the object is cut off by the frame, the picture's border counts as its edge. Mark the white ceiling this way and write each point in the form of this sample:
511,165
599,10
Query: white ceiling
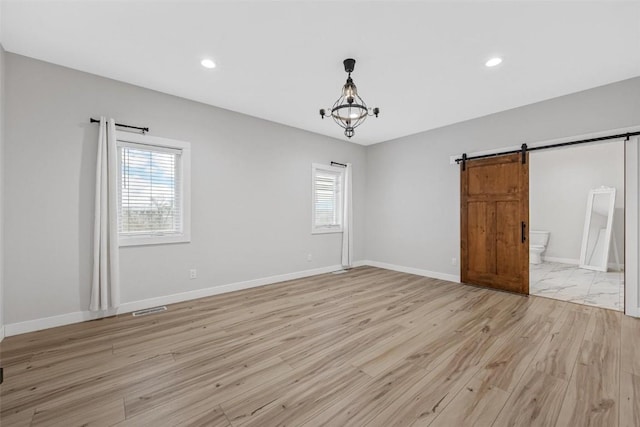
422,63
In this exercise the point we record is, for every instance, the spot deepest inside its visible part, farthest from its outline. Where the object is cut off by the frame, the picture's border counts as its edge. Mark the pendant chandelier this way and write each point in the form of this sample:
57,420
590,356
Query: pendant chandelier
349,111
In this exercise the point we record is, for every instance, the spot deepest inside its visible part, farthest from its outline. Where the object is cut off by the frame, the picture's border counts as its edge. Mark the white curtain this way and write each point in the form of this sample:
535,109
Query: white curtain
105,286
347,221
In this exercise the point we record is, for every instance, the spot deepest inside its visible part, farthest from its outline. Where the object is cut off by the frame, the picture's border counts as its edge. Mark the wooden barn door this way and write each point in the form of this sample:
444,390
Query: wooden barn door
494,233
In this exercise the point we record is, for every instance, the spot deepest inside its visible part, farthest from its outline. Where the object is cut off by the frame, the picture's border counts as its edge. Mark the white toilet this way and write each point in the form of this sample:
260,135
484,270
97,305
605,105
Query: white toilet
537,244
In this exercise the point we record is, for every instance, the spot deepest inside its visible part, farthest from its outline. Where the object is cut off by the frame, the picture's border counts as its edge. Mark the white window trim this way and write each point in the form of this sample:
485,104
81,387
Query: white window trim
324,229
185,182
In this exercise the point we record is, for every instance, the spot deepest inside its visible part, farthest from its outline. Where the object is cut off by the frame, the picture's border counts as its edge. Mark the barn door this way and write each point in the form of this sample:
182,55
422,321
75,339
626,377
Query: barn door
494,229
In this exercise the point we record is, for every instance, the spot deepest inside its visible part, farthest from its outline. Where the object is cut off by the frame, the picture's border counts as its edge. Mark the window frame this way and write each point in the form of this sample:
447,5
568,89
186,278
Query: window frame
184,172
324,229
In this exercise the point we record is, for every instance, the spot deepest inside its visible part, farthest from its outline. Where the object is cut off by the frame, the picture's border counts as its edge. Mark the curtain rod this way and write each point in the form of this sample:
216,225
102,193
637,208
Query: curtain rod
143,129
338,164
544,147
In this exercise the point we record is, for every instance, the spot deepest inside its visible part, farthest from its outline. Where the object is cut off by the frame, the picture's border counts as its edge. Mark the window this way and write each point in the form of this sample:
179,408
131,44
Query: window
327,182
153,190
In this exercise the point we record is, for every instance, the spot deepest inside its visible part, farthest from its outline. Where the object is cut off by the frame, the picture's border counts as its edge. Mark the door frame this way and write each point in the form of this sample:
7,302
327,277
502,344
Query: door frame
632,216
631,227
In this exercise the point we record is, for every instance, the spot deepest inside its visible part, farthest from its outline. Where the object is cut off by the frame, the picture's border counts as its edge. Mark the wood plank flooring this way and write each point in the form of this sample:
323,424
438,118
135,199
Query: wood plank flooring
369,347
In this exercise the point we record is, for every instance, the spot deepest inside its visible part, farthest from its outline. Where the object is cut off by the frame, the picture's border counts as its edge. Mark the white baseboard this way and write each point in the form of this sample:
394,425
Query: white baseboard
561,260
412,270
82,316
632,311
612,265
51,322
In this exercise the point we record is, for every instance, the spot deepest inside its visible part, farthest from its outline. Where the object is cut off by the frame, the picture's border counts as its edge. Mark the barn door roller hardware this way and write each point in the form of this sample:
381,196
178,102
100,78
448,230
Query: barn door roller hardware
524,149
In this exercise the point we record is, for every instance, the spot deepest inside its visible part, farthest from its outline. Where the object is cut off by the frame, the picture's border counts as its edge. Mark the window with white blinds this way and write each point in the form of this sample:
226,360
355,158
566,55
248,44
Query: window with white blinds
151,192
327,190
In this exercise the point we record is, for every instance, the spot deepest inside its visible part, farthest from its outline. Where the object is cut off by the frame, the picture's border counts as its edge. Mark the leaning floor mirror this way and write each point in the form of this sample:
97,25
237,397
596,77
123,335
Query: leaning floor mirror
598,227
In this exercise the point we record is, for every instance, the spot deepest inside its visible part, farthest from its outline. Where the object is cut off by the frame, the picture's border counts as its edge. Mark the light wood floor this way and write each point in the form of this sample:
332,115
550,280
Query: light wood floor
369,347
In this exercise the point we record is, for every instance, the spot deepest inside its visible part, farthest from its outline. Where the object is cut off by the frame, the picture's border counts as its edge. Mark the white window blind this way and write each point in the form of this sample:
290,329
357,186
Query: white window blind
327,199
150,199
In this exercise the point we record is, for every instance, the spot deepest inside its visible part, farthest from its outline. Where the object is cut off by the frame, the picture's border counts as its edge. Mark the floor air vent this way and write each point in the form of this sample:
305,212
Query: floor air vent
339,272
151,310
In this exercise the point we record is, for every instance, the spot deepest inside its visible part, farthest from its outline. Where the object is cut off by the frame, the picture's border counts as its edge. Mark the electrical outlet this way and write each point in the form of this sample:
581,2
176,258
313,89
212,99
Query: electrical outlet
454,261
309,258
193,274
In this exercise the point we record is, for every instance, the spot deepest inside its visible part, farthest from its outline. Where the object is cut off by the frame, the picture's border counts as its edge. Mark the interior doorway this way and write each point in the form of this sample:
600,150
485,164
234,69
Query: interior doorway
494,222
625,230
577,205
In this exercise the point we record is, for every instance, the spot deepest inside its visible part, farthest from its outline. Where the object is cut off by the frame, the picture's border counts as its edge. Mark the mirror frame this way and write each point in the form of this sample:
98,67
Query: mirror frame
604,264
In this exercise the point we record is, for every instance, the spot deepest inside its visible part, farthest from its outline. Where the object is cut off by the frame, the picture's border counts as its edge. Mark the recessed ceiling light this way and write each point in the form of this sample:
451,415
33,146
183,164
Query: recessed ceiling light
493,62
208,63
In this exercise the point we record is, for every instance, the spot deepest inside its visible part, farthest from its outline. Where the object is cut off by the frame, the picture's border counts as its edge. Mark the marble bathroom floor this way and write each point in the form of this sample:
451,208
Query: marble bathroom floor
567,282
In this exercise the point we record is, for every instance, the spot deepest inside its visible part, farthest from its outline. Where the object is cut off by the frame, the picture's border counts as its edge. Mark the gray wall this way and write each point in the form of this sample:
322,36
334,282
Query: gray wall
413,193
559,184
251,201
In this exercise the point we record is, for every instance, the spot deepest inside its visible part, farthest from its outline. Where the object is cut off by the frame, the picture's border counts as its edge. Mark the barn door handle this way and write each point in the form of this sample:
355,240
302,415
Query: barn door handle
523,235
